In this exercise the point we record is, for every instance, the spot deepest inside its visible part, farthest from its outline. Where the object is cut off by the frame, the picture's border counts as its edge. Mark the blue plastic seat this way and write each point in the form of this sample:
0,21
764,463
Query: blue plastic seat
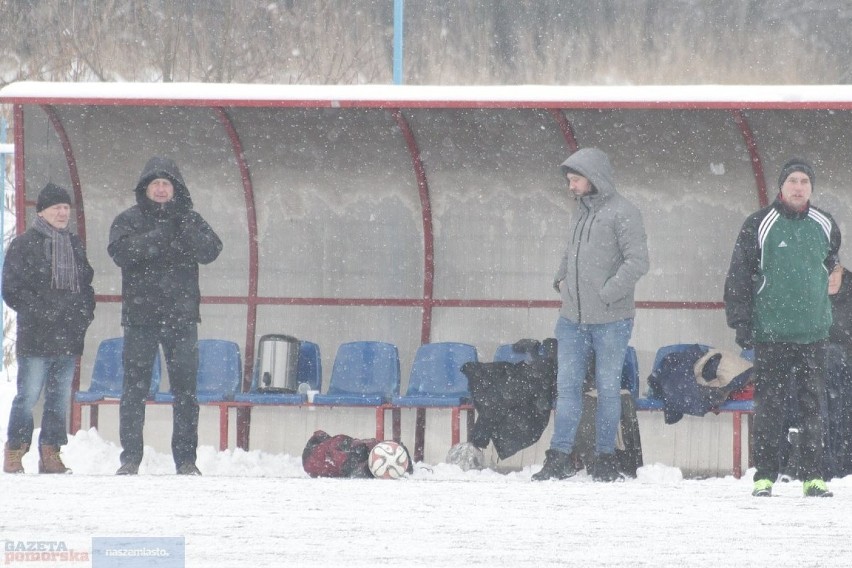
309,371
365,373
506,354
220,370
108,373
107,382
436,378
310,365
436,381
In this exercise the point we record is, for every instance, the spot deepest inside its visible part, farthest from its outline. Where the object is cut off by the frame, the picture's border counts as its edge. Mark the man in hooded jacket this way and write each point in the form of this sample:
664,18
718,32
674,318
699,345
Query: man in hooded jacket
606,255
158,244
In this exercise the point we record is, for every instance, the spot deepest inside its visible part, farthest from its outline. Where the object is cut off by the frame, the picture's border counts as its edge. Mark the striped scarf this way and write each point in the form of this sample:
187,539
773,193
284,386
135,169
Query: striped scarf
62,262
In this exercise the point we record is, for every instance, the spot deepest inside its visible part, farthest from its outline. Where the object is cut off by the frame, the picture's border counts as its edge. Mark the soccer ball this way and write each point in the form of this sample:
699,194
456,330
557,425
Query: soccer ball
388,460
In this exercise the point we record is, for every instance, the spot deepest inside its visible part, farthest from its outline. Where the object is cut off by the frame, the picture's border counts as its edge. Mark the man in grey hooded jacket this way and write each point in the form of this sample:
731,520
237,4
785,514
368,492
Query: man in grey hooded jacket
606,255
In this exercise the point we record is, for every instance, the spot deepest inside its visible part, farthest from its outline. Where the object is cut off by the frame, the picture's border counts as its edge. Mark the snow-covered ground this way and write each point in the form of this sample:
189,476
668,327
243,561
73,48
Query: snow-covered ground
256,509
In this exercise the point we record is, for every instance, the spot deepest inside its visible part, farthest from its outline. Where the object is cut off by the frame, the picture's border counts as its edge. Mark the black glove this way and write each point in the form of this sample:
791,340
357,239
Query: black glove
744,337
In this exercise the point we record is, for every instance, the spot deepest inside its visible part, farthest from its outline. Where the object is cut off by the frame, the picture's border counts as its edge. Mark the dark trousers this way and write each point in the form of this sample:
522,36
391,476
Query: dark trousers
180,347
839,388
799,369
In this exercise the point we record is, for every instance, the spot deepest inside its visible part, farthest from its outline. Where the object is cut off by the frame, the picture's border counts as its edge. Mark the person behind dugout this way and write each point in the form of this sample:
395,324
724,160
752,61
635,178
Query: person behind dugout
838,404
776,298
158,244
47,280
606,255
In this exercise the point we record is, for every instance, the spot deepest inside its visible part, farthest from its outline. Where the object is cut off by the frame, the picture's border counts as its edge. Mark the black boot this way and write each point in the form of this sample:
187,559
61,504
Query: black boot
605,468
557,465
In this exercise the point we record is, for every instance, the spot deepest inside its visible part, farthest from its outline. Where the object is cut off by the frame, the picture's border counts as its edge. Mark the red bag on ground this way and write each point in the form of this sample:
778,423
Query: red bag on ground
337,456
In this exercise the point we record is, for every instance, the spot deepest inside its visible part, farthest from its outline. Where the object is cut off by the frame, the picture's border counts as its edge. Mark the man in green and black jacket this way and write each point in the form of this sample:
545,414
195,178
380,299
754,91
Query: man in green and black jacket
776,298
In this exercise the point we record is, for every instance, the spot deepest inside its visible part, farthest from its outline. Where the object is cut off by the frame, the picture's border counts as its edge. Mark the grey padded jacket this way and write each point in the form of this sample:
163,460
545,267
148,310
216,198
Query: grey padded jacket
607,250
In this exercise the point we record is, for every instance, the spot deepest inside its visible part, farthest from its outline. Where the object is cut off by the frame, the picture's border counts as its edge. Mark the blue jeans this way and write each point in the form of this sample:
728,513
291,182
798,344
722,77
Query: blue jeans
54,375
577,343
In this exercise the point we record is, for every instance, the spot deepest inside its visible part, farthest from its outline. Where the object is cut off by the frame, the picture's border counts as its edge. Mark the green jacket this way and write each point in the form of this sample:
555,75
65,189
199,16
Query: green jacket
777,283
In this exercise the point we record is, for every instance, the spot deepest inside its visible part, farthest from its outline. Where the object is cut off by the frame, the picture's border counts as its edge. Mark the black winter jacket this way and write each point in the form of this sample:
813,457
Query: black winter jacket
50,322
159,248
841,304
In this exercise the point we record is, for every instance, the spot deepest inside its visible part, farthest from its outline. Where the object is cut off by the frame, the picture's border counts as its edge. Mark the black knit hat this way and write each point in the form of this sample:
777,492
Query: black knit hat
51,195
796,165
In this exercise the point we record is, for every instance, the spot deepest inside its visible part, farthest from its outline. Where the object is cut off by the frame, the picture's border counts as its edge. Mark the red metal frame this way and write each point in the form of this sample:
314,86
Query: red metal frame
77,415
244,415
426,216
20,180
738,441
73,173
754,155
566,128
427,302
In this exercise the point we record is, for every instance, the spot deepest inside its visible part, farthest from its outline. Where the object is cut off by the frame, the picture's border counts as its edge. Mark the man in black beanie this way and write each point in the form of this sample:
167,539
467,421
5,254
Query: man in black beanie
159,243
47,280
796,165
776,298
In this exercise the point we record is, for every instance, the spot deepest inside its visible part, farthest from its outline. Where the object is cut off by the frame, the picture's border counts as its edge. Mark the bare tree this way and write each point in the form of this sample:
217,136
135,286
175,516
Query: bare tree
446,41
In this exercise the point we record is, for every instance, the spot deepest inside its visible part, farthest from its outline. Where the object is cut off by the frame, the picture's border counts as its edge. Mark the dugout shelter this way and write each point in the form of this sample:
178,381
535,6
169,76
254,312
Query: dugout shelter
416,214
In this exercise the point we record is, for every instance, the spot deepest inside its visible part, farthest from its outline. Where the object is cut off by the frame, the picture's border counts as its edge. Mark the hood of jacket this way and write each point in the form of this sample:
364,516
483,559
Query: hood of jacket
164,168
606,251
594,165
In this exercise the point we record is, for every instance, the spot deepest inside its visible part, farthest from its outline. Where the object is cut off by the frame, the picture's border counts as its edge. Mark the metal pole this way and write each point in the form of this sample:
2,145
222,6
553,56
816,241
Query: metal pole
397,41
4,149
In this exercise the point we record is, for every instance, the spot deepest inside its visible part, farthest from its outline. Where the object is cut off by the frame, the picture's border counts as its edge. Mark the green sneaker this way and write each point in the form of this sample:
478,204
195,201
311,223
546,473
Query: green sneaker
762,488
816,488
